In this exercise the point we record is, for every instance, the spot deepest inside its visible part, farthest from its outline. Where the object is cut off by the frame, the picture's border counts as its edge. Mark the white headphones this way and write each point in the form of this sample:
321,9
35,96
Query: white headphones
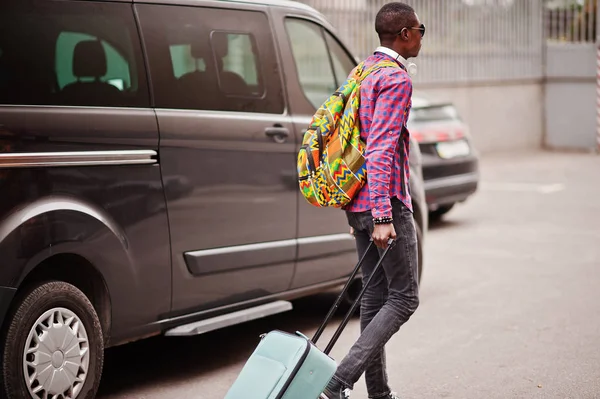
410,66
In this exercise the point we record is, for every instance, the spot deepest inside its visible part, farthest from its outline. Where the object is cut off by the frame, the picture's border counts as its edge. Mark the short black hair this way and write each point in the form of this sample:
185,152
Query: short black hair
390,20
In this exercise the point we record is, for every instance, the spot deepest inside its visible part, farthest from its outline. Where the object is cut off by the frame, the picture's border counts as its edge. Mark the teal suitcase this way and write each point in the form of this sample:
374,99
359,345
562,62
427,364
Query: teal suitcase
284,366
290,366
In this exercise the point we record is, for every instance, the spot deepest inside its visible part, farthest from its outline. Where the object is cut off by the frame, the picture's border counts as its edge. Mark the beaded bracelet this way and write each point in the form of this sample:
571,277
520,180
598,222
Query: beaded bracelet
383,220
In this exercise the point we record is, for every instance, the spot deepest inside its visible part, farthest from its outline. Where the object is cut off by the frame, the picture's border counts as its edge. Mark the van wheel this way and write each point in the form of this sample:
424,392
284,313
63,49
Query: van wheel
54,345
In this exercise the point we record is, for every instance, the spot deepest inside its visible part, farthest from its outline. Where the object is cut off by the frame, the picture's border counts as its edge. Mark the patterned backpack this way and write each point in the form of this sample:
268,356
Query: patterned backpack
331,163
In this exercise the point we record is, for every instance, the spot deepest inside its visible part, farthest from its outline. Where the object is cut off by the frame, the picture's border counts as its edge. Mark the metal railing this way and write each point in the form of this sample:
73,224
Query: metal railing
466,40
571,21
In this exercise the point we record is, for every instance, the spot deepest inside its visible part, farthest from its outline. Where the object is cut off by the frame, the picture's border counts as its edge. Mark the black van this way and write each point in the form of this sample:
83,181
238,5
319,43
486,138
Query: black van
148,176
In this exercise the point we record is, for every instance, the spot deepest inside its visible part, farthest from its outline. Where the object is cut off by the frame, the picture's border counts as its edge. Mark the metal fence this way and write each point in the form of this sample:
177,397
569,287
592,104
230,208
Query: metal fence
571,21
466,41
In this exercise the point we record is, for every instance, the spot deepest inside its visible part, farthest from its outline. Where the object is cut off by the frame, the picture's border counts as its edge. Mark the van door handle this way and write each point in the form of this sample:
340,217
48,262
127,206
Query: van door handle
279,134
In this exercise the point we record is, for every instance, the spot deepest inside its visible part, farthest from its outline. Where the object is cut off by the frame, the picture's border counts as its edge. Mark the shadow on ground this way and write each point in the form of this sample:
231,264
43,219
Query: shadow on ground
166,360
169,360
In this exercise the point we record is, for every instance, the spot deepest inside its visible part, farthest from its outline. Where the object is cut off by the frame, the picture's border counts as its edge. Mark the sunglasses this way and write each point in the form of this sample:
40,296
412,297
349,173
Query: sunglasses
421,28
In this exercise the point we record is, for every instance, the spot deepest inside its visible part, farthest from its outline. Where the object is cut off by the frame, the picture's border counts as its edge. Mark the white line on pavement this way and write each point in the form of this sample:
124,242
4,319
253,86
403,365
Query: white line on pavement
523,187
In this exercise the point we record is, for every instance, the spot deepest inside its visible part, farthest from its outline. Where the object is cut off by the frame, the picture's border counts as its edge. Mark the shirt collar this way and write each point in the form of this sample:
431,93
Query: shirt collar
389,52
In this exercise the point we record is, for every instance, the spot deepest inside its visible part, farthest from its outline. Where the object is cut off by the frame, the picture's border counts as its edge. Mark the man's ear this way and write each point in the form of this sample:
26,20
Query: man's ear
404,34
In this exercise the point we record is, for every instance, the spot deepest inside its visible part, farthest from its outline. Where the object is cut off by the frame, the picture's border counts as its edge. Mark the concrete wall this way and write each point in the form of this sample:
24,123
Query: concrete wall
571,96
557,113
504,116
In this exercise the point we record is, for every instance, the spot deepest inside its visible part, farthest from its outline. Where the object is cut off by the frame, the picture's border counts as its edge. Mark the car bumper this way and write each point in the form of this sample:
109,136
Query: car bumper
448,190
447,181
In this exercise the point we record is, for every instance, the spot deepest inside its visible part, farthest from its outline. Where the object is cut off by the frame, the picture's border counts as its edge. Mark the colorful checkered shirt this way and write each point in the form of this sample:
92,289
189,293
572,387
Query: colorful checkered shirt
385,101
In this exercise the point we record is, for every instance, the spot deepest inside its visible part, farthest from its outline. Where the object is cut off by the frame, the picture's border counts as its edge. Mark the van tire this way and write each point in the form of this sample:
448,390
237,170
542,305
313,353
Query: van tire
63,307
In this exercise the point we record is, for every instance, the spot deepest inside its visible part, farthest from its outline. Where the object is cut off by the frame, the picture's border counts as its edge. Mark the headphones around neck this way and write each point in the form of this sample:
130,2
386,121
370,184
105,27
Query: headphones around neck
411,67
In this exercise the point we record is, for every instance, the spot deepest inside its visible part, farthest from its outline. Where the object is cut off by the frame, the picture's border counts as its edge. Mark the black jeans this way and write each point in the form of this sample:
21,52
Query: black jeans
390,300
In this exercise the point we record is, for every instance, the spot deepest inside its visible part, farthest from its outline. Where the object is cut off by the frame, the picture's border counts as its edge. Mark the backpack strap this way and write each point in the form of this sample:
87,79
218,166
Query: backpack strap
375,67
358,70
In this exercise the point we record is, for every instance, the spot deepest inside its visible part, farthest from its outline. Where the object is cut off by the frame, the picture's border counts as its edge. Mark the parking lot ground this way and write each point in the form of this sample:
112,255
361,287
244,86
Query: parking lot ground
510,302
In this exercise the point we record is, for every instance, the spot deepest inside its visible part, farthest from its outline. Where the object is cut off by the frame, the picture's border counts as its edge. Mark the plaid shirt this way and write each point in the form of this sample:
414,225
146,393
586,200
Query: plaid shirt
385,101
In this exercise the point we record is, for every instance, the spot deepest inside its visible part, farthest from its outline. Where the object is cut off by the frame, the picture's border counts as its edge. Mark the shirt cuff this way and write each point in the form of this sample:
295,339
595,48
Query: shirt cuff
381,208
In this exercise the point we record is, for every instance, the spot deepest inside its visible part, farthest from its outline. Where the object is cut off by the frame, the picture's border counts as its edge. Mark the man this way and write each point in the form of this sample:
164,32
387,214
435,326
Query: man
383,208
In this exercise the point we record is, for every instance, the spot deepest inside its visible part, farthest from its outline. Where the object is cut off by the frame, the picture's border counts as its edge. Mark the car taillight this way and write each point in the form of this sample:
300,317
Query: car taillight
437,135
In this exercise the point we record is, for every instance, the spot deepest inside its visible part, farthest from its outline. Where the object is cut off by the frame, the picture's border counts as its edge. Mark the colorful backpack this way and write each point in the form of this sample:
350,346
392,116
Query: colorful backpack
331,163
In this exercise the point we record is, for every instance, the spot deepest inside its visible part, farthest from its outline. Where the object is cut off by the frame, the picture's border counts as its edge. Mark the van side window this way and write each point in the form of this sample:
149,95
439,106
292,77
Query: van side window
239,64
211,59
183,62
4,78
322,64
74,53
342,62
117,71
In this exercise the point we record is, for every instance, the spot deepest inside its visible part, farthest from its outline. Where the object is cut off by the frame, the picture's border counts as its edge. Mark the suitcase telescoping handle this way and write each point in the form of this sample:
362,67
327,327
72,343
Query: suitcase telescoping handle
335,306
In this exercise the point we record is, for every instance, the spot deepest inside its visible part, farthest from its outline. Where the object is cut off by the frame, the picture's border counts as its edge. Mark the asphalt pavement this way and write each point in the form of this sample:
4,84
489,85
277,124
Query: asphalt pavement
510,302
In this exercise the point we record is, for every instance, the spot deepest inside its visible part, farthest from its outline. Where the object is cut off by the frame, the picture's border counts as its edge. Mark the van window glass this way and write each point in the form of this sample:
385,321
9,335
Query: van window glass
211,59
241,58
342,61
74,53
4,77
182,60
117,71
312,60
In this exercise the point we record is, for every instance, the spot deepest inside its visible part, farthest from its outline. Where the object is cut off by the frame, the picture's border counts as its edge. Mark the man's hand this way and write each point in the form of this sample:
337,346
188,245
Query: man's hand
382,233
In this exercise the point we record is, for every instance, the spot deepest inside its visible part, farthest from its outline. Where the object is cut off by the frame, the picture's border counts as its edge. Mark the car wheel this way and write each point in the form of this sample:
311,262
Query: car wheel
435,216
54,345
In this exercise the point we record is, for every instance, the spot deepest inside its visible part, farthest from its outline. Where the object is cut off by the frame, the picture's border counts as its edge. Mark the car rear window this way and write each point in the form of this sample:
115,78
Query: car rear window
434,113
